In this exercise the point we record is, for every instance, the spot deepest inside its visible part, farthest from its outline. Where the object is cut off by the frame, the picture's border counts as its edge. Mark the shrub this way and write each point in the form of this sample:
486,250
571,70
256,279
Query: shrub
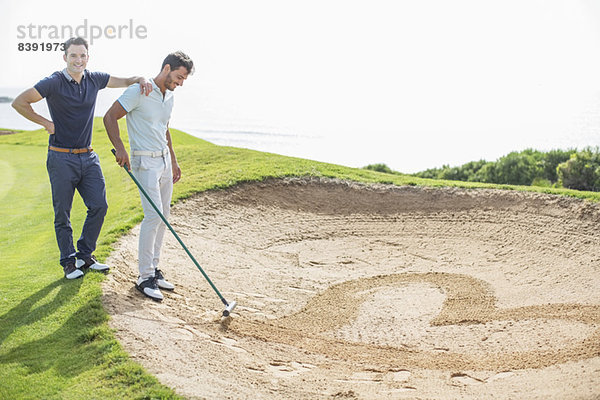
379,168
581,171
541,182
516,168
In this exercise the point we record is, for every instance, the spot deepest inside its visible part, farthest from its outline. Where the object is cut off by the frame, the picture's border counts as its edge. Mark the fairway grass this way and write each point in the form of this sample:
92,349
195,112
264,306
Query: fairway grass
55,342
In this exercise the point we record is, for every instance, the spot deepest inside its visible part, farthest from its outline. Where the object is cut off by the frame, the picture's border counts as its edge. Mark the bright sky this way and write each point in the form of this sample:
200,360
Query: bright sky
420,83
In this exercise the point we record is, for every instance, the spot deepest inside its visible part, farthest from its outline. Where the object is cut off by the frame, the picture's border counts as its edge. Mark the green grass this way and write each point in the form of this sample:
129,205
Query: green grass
55,342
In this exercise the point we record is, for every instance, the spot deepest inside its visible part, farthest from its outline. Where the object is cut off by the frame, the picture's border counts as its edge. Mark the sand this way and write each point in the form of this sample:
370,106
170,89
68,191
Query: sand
352,291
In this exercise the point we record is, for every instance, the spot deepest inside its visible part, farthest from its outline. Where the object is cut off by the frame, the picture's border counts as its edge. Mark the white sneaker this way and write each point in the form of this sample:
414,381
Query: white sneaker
92,264
71,271
162,282
149,288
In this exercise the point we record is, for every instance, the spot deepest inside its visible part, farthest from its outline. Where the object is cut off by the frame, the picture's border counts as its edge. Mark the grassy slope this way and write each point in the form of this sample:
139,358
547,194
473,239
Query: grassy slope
54,339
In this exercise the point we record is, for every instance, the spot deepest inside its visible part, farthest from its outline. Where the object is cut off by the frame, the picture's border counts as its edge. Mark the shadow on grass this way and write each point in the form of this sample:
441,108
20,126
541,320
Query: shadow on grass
67,349
26,312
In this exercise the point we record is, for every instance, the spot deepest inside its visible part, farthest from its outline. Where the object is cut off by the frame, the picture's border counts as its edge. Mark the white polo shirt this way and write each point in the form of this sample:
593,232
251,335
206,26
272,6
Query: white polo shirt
147,117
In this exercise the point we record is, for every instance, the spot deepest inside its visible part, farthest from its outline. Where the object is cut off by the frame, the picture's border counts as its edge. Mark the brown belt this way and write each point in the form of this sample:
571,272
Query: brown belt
74,151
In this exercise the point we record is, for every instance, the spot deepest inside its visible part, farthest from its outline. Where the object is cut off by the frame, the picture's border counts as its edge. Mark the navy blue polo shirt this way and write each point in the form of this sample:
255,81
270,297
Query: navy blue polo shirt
71,106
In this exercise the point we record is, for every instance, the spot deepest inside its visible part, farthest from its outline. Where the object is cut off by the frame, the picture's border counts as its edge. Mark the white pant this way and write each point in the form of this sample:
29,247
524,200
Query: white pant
155,174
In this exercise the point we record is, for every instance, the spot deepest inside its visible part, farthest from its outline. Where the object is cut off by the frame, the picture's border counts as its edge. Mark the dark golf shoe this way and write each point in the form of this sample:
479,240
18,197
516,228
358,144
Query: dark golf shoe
92,264
149,288
71,271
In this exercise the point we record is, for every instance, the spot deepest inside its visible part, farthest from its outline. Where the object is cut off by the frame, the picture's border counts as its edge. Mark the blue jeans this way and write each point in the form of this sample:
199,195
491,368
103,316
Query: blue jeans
68,172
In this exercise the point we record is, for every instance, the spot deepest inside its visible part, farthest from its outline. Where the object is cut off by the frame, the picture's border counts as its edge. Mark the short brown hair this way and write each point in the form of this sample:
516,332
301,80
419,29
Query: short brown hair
179,59
75,41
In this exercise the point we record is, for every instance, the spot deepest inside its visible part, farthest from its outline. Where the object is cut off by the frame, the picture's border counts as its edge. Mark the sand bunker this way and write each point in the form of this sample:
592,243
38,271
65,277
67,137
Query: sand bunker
370,292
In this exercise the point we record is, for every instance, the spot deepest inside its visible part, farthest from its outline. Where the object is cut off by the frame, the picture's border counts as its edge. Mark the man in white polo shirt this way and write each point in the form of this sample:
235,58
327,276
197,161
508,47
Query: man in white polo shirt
153,160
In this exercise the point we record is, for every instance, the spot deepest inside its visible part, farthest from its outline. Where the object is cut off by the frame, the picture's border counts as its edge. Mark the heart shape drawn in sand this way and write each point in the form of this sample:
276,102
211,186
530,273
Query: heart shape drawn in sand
468,301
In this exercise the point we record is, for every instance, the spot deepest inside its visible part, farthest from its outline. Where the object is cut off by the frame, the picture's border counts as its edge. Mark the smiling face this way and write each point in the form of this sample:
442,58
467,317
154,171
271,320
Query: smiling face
175,78
76,58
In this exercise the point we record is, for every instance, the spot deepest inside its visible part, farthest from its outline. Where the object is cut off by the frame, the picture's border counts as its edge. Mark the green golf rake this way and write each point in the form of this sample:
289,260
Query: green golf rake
228,306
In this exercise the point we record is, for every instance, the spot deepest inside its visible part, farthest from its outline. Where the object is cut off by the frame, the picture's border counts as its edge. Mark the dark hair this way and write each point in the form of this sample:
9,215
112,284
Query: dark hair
179,59
75,41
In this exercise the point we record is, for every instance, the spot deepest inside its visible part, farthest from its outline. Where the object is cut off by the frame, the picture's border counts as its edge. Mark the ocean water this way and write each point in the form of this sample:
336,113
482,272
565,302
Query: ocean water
224,131
334,140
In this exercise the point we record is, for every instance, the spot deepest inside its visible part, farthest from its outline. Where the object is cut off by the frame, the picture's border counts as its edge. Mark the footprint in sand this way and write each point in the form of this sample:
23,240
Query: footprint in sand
460,379
229,343
287,369
186,332
402,375
500,375
363,377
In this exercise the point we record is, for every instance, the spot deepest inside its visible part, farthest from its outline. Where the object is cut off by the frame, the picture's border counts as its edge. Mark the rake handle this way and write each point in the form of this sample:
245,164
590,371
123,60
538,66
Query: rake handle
160,214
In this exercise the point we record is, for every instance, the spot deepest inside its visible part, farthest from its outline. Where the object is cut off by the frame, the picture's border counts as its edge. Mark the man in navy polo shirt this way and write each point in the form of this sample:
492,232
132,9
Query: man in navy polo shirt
71,163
